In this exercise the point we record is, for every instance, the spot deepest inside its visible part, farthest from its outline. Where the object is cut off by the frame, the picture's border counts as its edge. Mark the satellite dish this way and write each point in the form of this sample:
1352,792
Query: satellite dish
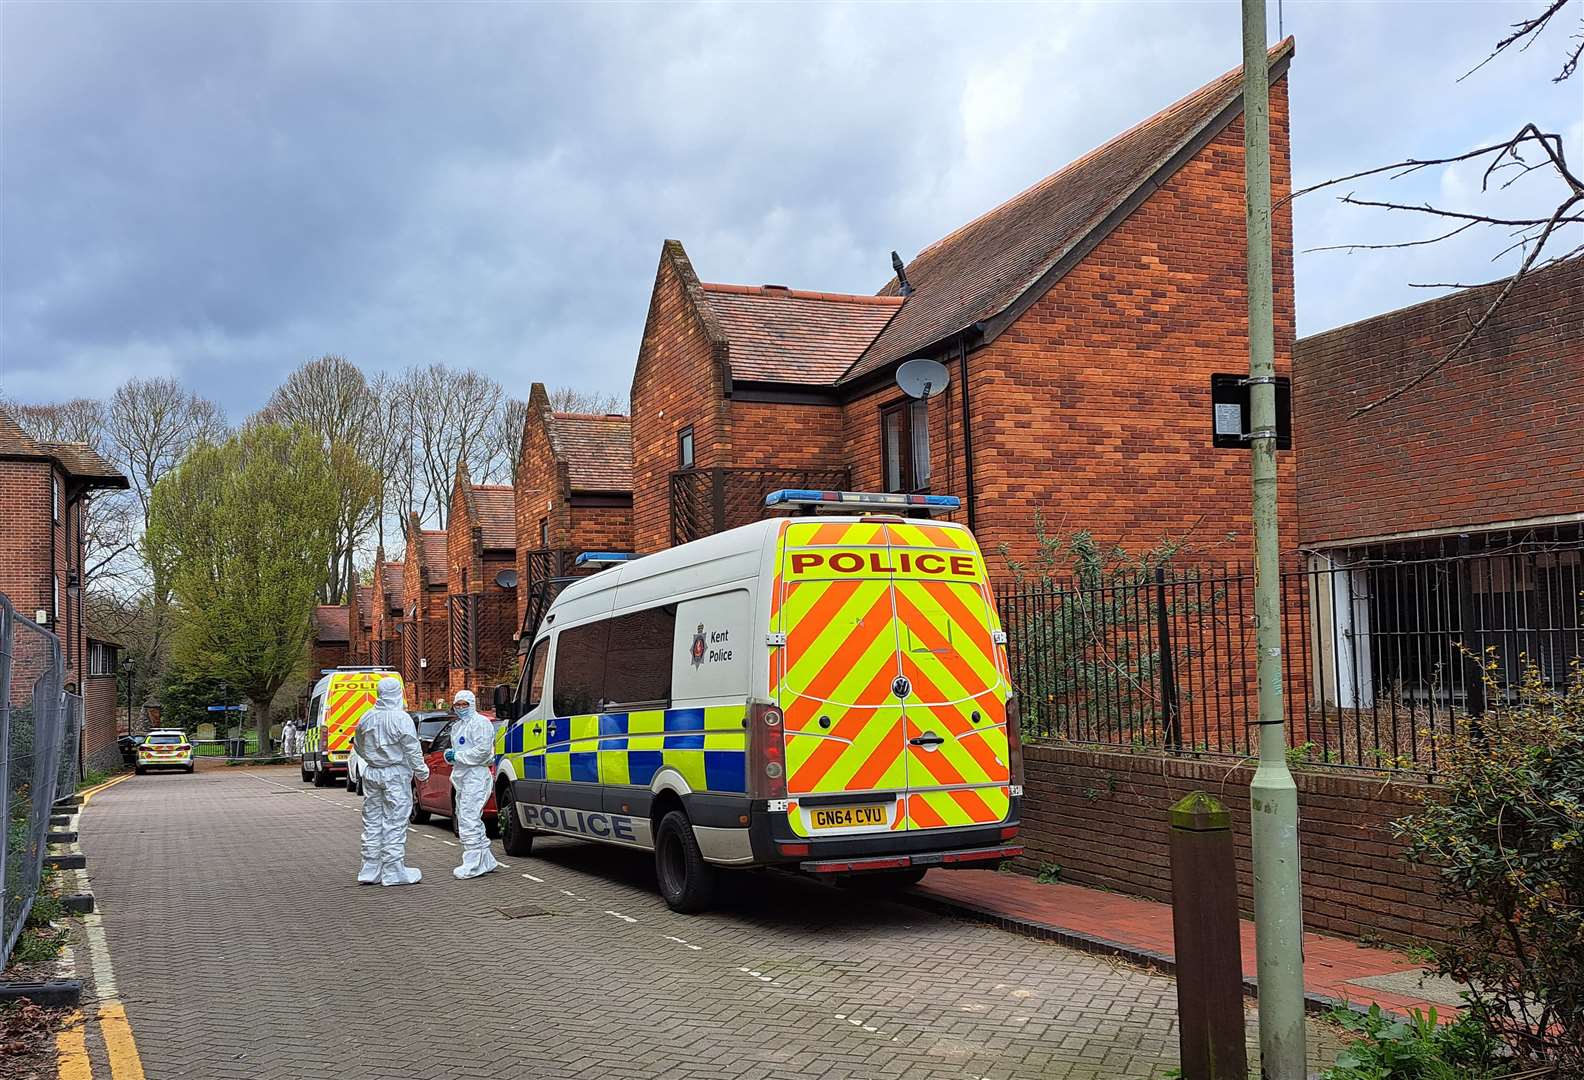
922,378
506,579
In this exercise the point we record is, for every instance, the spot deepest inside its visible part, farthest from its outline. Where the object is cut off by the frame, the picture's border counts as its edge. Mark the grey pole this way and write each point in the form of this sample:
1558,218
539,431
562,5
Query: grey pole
1278,899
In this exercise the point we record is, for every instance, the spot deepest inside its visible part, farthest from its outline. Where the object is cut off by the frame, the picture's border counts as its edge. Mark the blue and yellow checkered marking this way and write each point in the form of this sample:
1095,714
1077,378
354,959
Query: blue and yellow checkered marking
706,746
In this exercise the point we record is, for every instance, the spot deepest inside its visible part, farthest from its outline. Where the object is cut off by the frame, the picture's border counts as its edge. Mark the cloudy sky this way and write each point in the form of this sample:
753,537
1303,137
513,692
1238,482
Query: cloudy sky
222,191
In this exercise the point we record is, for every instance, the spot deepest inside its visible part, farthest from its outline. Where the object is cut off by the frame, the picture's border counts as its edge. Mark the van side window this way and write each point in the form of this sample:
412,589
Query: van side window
638,663
580,669
533,676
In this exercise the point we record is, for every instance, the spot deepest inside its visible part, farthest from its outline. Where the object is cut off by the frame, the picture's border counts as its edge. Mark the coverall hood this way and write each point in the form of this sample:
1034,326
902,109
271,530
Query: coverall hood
388,695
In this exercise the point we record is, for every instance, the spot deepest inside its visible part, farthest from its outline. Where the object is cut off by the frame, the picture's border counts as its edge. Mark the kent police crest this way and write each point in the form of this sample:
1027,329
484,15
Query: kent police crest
697,651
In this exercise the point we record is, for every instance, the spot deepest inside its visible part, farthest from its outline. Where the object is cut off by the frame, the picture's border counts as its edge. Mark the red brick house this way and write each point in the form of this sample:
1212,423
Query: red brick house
360,625
423,632
1081,323
330,645
574,491
386,611
1482,463
481,591
45,488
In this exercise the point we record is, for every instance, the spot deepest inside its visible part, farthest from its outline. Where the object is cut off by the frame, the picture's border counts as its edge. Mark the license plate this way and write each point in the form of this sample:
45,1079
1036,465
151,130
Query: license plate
846,817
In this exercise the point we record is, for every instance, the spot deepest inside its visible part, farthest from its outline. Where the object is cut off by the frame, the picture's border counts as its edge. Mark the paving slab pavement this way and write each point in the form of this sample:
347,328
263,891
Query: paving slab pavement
244,948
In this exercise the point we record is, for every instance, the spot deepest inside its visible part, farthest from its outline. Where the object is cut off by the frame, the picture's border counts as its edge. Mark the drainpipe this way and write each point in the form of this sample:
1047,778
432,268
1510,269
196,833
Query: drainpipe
967,425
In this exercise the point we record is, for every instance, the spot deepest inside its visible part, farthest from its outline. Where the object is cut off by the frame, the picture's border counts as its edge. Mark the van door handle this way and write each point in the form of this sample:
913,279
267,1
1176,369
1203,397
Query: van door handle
928,739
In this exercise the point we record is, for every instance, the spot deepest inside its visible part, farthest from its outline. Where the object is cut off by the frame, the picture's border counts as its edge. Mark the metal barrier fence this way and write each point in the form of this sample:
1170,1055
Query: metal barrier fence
38,755
1379,650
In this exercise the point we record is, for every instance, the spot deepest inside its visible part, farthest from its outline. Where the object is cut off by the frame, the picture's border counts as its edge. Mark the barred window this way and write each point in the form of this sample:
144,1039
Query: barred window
101,658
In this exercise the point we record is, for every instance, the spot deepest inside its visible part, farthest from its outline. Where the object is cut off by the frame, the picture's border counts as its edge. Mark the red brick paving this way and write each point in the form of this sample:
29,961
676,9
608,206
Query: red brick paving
1145,927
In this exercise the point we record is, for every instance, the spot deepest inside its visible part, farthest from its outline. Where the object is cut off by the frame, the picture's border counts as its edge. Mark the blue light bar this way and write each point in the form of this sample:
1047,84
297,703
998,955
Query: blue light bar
603,558
862,500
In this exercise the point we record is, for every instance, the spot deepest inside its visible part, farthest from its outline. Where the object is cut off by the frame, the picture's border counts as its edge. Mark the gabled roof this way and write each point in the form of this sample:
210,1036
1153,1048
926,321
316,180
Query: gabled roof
432,554
597,450
394,574
983,269
78,460
330,624
786,335
495,512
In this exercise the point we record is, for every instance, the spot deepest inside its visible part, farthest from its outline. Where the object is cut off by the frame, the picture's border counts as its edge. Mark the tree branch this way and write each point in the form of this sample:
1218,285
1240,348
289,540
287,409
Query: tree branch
1531,29
1556,218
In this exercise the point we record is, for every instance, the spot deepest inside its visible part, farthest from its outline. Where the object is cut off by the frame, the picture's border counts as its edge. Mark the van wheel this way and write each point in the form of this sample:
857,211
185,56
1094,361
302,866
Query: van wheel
321,777
515,840
350,785
307,777
687,882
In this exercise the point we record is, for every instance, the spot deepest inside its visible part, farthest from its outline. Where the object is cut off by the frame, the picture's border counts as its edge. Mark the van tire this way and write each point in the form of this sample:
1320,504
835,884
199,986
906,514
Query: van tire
307,777
515,840
321,777
687,882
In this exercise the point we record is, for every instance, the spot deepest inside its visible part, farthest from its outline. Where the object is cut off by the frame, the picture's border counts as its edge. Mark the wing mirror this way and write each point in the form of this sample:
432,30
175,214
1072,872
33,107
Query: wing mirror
505,706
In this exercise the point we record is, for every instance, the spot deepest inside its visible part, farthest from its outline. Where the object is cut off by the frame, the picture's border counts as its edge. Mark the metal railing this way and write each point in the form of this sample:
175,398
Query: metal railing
1379,650
39,728
708,501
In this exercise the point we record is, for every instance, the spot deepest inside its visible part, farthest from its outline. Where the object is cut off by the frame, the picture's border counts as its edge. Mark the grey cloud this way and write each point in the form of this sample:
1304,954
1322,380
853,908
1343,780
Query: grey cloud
227,190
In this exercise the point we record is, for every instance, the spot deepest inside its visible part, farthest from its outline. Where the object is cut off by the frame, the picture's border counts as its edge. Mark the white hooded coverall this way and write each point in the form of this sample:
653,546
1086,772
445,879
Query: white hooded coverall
387,741
472,750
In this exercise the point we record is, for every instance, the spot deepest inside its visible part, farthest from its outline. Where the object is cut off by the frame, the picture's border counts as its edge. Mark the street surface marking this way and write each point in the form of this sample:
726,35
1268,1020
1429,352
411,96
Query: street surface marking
530,877
619,915
71,1050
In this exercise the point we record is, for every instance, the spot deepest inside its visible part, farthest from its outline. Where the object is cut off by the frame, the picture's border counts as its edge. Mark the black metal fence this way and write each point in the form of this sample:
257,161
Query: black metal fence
708,501
1378,658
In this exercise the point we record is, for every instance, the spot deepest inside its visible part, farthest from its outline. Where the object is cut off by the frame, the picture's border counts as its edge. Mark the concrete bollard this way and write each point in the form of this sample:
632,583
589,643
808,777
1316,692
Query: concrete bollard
1209,948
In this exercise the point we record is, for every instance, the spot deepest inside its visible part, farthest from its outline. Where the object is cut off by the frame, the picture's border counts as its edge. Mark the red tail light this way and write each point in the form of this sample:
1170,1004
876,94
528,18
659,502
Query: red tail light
766,753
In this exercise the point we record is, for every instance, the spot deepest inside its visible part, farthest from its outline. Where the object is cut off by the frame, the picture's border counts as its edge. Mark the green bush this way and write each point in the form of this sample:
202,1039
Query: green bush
1506,833
1418,1048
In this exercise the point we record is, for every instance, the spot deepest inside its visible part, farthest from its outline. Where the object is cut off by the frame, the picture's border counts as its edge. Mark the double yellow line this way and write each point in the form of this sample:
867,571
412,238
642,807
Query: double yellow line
71,1042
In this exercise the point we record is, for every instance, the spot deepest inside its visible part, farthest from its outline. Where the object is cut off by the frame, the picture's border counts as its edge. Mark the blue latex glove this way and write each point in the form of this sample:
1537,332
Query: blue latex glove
450,757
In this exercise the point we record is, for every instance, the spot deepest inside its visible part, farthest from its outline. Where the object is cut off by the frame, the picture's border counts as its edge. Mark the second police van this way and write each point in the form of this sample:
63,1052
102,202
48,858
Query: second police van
822,693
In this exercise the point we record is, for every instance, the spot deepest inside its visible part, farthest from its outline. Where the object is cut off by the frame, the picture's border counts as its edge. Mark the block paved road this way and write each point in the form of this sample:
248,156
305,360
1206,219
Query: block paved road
244,948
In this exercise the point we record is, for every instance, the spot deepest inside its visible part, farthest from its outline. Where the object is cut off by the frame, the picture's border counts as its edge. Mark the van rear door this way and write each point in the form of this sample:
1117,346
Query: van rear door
956,747
349,696
835,679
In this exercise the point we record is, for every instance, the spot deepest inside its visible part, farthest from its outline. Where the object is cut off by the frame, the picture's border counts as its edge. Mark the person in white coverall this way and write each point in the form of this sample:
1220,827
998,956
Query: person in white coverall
472,750
387,741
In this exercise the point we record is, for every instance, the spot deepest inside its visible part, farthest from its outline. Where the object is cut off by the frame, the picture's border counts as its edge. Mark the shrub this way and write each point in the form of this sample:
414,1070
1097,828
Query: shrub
1418,1048
1506,832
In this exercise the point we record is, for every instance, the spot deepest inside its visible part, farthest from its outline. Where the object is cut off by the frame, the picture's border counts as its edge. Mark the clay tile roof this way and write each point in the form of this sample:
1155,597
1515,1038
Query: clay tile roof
497,515
394,575
330,623
984,267
787,335
78,459
434,553
597,450
365,603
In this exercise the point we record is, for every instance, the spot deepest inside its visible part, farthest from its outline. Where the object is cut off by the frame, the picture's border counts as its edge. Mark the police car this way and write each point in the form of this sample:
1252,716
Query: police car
828,694
166,748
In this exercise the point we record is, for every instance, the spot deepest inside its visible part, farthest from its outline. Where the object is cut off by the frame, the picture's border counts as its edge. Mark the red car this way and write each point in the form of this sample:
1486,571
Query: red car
435,796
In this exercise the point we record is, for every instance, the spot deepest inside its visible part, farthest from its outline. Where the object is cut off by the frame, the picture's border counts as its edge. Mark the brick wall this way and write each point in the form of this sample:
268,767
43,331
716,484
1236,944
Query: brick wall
785,436
1095,404
100,723
323,655
678,381
1102,818
536,483
1497,435
429,682
26,537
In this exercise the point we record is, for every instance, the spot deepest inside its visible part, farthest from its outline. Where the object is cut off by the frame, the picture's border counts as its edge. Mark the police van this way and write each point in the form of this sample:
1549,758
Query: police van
827,694
339,700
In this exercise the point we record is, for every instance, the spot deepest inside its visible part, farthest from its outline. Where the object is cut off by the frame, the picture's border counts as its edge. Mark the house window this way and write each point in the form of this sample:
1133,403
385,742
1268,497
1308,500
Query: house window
54,498
101,658
904,446
685,448
544,532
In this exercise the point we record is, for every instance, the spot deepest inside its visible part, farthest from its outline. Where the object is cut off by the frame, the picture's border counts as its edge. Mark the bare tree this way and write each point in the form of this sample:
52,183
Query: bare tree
150,424
569,399
450,413
333,399
1528,152
507,440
